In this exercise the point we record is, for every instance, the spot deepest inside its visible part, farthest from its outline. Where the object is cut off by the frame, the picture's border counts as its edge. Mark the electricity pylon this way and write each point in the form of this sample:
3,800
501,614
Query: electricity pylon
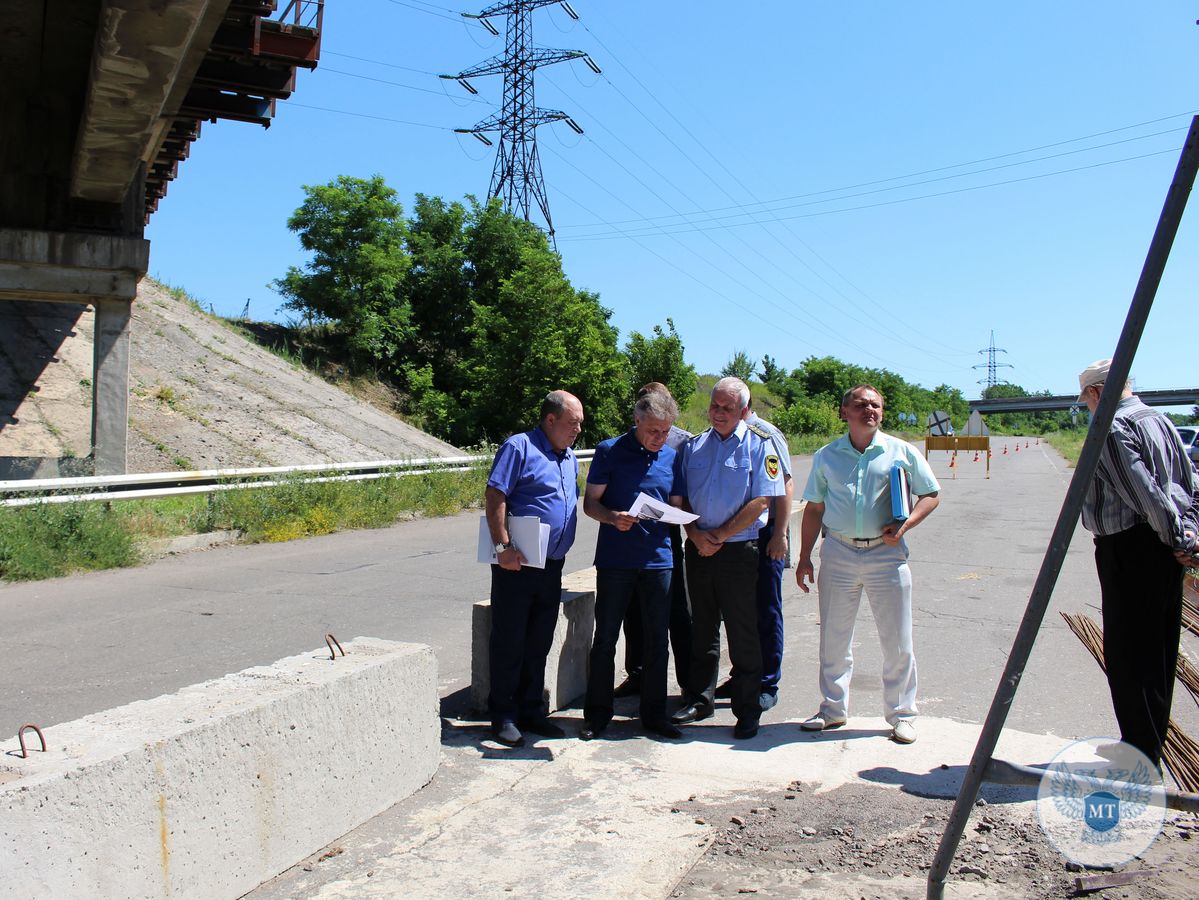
991,365
516,177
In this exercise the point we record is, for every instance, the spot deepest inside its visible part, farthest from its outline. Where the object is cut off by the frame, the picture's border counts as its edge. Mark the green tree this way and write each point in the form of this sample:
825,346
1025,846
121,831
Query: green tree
773,375
739,366
540,335
660,358
355,230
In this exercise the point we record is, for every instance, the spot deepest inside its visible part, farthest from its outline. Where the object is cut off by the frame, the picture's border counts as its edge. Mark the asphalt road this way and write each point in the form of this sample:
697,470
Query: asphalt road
82,644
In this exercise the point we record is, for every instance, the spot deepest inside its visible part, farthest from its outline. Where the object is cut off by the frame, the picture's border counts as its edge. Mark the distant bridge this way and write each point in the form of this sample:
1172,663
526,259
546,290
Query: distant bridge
1173,397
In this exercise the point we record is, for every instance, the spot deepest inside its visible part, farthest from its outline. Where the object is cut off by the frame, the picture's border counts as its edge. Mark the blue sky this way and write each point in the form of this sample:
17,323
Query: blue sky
884,183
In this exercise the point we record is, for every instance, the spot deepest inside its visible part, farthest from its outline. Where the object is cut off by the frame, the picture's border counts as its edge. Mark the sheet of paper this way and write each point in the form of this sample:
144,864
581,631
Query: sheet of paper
530,536
646,507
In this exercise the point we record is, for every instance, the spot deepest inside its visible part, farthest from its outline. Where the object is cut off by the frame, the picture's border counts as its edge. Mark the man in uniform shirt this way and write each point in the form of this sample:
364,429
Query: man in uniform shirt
849,501
632,561
727,475
534,474
772,558
1142,507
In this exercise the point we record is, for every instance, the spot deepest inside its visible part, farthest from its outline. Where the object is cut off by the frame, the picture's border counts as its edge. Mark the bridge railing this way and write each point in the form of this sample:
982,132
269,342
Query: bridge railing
150,485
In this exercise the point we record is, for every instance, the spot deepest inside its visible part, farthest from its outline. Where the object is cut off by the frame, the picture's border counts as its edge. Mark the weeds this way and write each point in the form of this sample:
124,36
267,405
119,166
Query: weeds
52,539
48,540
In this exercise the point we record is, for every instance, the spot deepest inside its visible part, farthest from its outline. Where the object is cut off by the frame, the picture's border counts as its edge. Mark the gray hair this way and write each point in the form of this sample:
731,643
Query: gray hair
655,405
735,385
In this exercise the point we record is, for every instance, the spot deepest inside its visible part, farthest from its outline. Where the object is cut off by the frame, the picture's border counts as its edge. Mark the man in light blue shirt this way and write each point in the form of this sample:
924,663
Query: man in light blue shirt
848,498
725,477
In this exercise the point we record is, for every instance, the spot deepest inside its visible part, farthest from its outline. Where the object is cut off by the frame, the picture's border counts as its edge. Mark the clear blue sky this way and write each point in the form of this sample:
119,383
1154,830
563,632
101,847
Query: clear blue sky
884,183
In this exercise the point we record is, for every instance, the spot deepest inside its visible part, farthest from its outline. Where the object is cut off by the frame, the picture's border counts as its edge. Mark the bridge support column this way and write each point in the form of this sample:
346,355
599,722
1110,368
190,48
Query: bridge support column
99,270
110,386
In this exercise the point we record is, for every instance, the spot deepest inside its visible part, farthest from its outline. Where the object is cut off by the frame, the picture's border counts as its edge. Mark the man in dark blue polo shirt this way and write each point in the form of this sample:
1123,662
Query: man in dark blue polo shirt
633,560
534,474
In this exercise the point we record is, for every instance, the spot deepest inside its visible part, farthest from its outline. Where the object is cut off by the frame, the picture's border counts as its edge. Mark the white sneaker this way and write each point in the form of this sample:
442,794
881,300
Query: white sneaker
820,722
904,732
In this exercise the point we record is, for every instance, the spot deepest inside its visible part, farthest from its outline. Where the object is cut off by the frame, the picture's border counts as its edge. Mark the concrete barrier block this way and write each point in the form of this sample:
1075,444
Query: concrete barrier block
567,664
210,791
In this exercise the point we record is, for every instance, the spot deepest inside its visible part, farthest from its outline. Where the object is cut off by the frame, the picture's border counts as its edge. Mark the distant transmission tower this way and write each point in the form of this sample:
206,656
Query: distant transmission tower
516,177
991,365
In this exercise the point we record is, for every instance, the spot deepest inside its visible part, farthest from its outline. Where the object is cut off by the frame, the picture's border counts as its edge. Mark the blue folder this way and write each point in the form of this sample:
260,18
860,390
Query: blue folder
901,494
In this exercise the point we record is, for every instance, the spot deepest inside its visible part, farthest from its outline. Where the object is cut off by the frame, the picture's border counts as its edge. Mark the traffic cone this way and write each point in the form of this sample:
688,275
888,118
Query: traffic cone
1005,449
976,456
1017,446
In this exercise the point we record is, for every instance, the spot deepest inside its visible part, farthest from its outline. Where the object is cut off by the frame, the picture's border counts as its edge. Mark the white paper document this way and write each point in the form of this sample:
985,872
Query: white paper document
646,507
527,533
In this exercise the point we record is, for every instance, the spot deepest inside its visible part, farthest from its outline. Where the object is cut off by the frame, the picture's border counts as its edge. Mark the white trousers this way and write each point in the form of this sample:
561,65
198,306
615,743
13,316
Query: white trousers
883,573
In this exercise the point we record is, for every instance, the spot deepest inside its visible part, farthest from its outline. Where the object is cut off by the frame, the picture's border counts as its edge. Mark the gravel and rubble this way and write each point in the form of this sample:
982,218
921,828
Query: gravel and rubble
857,841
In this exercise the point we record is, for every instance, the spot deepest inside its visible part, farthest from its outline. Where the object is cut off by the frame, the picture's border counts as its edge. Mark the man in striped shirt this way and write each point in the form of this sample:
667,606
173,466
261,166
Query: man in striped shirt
1142,507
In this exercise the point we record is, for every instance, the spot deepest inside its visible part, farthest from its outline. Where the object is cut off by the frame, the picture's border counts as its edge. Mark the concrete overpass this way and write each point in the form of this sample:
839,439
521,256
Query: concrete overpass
1172,397
99,104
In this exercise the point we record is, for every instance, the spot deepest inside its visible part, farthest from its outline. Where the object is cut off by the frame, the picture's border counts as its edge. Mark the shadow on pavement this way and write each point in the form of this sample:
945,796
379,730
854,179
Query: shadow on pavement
944,782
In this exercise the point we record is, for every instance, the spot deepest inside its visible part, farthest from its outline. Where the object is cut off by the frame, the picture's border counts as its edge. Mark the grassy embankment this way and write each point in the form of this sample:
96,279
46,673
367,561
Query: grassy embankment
47,540
1068,443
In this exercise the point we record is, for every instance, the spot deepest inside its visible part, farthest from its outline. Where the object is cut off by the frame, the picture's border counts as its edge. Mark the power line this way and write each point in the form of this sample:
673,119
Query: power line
376,62
718,218
398,84
346,112
430,12
829,212
516,176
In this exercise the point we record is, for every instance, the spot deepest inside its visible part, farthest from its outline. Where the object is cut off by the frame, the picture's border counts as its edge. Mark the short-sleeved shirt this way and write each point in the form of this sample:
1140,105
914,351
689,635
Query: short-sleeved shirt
855,488
539,481
718,476
781,450
626,469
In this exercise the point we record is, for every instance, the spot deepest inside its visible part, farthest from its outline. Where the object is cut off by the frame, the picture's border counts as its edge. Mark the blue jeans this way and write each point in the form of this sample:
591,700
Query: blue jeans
524,611
615,589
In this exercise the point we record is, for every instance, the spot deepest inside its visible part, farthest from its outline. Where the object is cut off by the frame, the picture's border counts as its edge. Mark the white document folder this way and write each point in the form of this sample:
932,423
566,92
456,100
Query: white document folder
527,533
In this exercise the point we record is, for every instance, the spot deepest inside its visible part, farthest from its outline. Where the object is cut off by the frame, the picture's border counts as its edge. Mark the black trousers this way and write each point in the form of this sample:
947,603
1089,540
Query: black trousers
524,611
615,591
1142,621
680,621
724,586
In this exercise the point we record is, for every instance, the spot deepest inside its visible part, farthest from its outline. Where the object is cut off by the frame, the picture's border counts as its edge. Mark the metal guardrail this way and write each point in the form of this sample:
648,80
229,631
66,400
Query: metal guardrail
27,492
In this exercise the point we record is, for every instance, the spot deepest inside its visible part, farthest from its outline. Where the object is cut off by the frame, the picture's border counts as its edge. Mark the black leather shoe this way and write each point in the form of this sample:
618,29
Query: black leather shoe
590,732
724,691
663,728
508,734
692,712
630,687
745,729
543,727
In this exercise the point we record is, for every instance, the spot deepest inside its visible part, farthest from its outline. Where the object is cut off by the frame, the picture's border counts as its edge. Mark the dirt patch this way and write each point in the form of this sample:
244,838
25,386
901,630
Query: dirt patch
858,841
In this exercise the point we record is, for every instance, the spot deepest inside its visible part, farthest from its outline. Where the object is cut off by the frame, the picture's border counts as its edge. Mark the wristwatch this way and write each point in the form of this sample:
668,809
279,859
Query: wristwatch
500,548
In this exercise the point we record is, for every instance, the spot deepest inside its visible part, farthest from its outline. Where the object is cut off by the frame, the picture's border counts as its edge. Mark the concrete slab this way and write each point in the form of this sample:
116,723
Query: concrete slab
607,818
567,664
210,791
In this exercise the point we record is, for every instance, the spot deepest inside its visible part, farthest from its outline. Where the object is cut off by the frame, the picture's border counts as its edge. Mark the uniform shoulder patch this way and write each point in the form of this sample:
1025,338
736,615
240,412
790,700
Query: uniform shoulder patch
772,466
759,430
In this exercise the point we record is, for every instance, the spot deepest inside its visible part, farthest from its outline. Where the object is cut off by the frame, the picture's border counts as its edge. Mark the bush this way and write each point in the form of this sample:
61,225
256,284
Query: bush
806,416
48,540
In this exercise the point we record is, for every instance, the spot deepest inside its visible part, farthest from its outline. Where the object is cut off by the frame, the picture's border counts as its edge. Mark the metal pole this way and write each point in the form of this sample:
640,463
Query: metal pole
1038,601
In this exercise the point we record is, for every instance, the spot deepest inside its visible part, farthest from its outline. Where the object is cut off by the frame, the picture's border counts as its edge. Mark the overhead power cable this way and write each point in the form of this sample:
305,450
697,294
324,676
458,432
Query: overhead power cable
829,212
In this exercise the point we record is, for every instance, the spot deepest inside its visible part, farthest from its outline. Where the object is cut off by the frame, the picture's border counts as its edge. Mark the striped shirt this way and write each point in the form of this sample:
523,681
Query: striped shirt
1144,475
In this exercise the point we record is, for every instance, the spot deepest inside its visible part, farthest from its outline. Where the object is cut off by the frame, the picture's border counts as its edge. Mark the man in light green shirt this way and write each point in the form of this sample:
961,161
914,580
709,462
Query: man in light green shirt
848,498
